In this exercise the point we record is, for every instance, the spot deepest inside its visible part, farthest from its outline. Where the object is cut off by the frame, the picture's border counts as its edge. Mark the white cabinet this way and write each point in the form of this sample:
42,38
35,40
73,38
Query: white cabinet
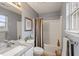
29,52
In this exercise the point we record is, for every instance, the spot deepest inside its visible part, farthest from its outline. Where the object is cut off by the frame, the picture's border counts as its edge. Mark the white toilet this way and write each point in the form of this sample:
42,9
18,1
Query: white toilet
38,51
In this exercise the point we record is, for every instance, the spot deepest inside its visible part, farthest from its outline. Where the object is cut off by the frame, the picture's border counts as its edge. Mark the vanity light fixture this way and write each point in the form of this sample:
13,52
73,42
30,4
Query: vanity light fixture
15,4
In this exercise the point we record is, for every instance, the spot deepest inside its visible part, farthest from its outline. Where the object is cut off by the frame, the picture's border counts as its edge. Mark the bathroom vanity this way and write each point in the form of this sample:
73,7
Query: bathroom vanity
17,48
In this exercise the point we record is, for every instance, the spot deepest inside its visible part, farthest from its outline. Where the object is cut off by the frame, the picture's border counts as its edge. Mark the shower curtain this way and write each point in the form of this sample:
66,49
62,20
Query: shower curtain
38,33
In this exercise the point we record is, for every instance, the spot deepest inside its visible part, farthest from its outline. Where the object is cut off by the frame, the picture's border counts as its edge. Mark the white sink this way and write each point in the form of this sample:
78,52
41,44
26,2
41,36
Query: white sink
26,42
4,47
30,41
21,41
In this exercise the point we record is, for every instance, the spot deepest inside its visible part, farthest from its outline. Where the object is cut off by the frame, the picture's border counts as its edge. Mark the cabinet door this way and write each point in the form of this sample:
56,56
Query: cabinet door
29,52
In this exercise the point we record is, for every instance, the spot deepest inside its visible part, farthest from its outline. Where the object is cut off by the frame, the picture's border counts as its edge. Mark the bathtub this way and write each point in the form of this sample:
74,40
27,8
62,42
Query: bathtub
50,49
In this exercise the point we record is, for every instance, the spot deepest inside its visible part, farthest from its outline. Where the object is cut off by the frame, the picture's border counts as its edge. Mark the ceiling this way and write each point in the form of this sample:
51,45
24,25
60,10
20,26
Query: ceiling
39,7
46,7
10,7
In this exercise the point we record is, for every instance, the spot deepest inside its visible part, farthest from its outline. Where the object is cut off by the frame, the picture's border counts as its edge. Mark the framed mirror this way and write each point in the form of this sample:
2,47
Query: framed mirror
28,24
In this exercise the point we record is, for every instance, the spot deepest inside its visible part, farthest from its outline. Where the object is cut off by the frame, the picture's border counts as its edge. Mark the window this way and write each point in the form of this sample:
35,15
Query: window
3,22
72,17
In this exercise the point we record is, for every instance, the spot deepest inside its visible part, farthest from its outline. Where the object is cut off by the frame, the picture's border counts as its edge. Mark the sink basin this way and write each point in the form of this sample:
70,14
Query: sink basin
22,42
30,41
4,46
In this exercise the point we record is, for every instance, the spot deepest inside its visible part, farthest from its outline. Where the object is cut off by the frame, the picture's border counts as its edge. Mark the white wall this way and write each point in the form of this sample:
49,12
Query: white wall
51,16
46,37
63,14
2,36
52,31
30,13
